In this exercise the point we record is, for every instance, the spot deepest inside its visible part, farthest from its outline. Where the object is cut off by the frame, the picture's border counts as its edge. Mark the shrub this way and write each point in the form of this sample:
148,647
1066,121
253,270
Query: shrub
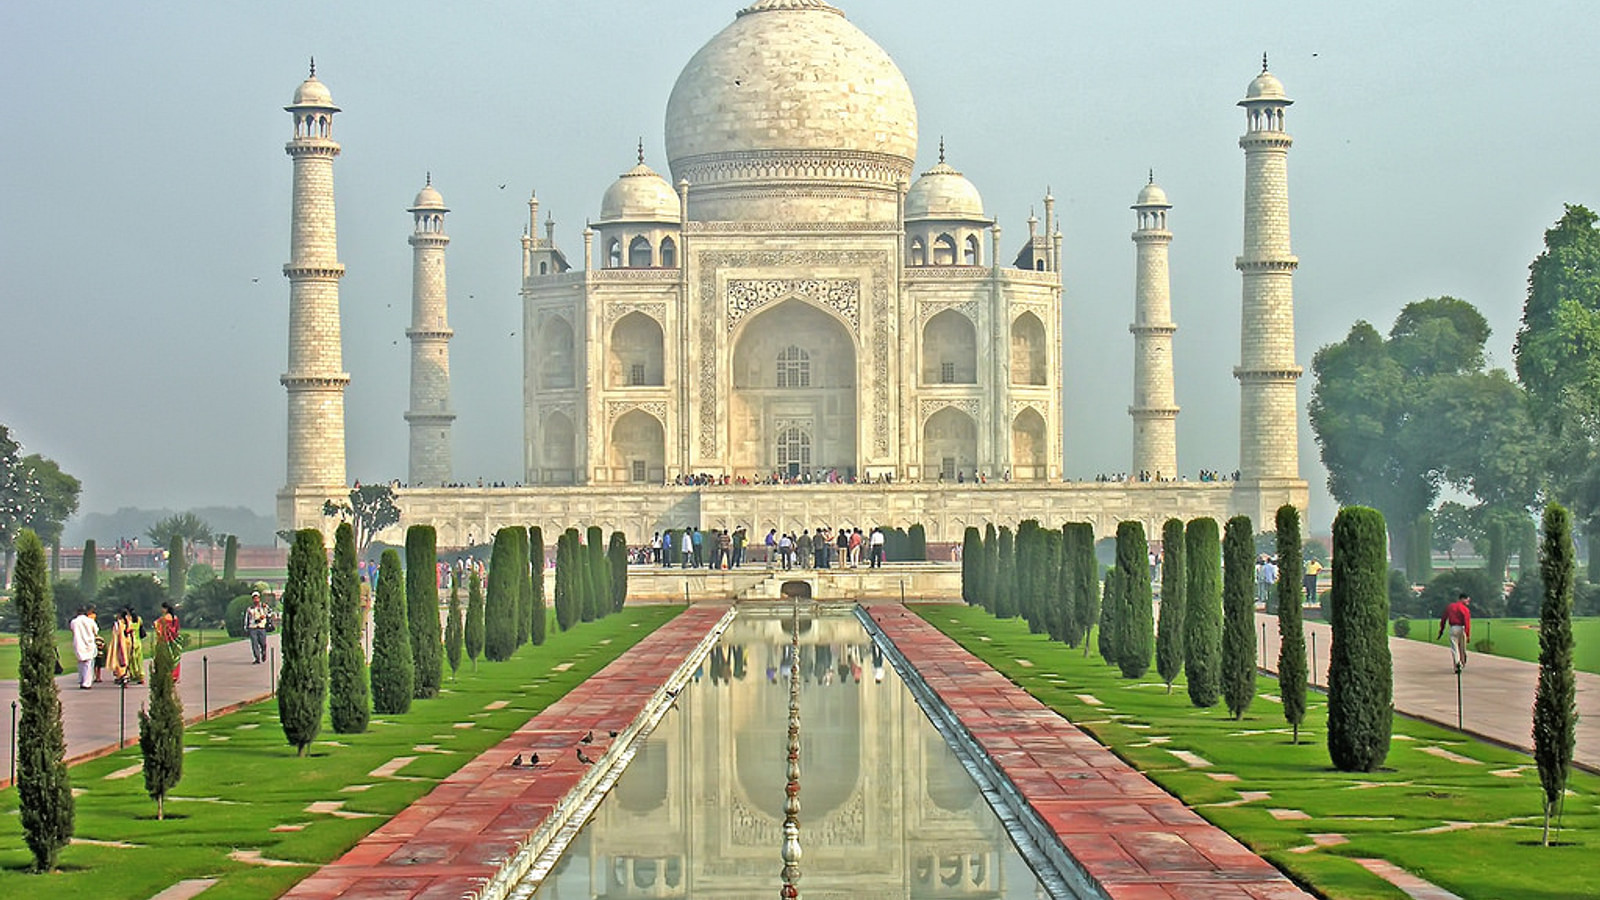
68,598
1487,601
234,621
1402,627
1402,599
161,732
303,681
199,573
207,604
1136,622
1202,620
422,610
1174,578
350,698
1360,676
1238,616
142,592
392,670
44,786
1291,628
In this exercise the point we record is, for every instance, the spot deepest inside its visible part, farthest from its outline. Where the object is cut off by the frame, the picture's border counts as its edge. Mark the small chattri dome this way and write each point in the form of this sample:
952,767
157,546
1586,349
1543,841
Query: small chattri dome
428,198
1265,86
943,193
1152,195
312,92
640,194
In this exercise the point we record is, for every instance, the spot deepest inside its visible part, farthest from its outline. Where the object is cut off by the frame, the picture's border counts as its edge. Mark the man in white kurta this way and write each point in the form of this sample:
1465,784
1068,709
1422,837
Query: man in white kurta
84,631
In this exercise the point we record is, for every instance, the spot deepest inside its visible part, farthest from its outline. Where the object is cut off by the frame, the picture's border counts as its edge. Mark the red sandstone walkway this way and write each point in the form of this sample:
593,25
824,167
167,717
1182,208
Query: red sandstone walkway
1135,839
450,842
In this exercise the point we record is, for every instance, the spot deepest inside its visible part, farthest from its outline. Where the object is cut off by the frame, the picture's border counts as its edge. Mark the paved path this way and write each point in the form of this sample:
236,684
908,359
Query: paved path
225,680
1496,692
1133,838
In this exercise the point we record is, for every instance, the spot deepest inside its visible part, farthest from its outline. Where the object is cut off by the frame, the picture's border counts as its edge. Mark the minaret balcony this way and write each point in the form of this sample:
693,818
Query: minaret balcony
1268,375
315,382
1280,264
438,334
313,273
311,147
1154,329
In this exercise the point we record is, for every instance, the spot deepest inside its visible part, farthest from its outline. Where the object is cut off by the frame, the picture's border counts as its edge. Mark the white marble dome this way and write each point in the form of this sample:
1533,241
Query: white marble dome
312,92
1152,195
943,193
1265,86
790,83
640,195
428,198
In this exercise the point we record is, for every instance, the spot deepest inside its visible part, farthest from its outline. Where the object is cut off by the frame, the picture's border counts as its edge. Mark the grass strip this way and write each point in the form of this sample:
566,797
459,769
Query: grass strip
1519,639
244,791
1459,812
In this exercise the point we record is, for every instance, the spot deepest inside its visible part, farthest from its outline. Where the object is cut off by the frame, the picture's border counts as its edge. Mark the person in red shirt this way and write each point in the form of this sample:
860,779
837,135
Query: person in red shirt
1458,618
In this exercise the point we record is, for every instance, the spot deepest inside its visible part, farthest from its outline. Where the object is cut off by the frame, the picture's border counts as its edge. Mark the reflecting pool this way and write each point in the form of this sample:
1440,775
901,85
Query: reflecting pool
887,809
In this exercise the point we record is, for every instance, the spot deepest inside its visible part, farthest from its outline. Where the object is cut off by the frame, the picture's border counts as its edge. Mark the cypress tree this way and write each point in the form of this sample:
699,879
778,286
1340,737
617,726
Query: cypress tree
524,605
1062,620
971,562
349,696
177,569
1528,550
1291,630
392,671
1360,674
1005,603
567,602
1048,585
161,732
453,637
500,606
303,681
917,543
538,623
422,610
990,572
1136,618
1174,581
1421,549
1495,566
473,638
597,600
230,558
1555,712
1238,615
1202,615
617,557
1107,642
89,574
1084,573
1026,571
44,787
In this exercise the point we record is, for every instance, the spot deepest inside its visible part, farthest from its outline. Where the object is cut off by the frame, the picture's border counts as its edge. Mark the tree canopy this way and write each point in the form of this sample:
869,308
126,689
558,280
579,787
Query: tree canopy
369,510
34,493
186,525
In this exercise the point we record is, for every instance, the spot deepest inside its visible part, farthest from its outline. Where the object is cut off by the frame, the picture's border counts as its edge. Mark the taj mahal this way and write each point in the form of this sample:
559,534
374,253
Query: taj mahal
792,325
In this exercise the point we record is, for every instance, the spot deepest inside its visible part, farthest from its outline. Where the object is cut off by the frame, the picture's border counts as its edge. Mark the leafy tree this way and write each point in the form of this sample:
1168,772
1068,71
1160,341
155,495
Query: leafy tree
58,502
617,557
1110,612
1005,603
1313,549
500,607
349,696
392,671
370,509
1174,580
453,637
207,604
186,526
1238,616
1557,354
176,569
1360,677
473,637
540,623
1452,524
1135,616
1399,418
971,563
230,557
1083,574
1202,618
1555,710
44,787
422,610
142,592
89,575
161,731
303,682
1291,628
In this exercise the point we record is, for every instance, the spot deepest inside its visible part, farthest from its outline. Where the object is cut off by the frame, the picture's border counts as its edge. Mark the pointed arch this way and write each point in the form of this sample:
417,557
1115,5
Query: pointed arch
973,255
558,449
919,252
557,359
949,349
636,352
1029,446
640,254
1029,356
638,448
669,253
944,250
949,445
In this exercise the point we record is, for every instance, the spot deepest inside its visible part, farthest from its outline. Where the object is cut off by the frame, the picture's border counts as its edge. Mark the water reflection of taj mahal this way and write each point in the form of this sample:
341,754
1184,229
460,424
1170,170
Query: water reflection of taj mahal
796,301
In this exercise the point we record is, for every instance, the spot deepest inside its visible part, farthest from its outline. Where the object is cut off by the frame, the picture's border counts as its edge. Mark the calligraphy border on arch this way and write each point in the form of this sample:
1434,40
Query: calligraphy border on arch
842,295
654,310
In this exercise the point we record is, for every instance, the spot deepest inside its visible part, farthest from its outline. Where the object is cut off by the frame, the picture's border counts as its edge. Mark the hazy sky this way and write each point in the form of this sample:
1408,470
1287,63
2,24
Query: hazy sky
147,190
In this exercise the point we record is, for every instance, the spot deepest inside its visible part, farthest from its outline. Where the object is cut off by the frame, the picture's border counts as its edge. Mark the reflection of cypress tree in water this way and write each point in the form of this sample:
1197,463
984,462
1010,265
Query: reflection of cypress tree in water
739,668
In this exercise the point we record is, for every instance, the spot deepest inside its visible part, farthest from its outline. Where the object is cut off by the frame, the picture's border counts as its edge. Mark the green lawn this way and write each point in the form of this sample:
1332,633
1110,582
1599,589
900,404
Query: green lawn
241,780
1519,639
1459,812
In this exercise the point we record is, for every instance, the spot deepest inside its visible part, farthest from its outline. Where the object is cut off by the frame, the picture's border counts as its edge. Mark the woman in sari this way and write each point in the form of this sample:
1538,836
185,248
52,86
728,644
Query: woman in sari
167,630
118,653
135,647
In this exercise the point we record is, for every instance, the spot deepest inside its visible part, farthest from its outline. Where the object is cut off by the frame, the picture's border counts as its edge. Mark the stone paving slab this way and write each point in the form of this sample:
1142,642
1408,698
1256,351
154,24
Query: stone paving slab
1135,839
451,841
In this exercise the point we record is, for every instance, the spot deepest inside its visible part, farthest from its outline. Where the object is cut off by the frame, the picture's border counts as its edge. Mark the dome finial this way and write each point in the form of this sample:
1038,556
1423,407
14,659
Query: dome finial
941,148
641,151
429,181
1152,176
1263,60
313,67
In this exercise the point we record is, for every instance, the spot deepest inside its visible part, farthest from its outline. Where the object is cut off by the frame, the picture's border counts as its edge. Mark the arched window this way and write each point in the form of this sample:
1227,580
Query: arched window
614,254
949,349
919,252
544,268
639,253
1028,353
794,450
972,257
669,253
944,251
794,369
556,358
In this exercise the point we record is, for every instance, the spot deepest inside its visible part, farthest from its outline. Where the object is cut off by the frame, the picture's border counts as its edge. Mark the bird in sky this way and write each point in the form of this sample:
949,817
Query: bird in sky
502,187
255,281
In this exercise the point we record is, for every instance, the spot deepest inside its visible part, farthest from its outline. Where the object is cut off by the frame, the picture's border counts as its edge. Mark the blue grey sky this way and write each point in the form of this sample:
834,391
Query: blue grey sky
147,191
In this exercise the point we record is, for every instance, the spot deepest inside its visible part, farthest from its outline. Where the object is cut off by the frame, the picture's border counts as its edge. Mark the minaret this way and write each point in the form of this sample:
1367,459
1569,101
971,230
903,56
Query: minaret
1154,409
315,378
430,416
1268,409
